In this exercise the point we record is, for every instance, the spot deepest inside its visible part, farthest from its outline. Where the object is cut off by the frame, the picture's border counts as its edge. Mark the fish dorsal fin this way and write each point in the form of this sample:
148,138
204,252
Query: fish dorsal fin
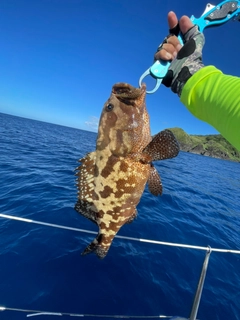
85,176
154,182
163,146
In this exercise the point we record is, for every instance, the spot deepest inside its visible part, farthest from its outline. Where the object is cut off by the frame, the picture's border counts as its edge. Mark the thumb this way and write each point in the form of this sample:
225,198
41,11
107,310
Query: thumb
172,20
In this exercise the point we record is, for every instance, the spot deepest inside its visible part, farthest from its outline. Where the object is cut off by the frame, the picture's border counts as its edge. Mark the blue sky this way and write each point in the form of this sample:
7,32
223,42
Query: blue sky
60,58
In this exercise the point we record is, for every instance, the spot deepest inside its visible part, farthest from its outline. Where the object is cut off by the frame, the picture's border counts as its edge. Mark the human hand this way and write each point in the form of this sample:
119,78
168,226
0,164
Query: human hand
186,59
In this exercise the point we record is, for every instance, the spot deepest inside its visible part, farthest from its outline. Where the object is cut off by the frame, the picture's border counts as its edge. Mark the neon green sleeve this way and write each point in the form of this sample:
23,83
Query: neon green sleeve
214,97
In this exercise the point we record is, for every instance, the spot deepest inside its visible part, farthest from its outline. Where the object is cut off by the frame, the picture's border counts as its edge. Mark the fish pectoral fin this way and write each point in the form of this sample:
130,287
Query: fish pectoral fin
154,182
97,247
163,146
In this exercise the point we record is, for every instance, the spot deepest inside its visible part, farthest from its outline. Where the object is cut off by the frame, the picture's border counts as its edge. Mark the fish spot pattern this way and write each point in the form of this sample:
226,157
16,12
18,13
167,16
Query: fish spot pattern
111,179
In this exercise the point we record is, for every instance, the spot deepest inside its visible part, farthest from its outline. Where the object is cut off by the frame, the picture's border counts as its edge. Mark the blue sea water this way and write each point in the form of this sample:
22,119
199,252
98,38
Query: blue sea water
41,267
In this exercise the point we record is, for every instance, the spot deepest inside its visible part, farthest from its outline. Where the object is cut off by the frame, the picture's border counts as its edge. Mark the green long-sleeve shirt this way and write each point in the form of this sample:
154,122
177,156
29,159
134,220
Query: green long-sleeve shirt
214,97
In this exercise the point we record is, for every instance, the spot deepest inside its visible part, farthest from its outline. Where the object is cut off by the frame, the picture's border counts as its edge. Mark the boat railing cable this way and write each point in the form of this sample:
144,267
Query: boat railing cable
172,244
32,313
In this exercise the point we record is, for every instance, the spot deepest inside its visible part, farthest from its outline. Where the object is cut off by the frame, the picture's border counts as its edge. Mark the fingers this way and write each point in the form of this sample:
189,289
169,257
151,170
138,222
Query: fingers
174,42
169,50
185,24
172,20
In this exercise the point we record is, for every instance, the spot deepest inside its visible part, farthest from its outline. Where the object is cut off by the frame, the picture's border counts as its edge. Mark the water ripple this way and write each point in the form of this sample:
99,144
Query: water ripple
41,267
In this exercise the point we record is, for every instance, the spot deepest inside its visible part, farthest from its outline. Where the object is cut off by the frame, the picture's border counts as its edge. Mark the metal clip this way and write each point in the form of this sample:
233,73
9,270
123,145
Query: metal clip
212,16
158,71
144,75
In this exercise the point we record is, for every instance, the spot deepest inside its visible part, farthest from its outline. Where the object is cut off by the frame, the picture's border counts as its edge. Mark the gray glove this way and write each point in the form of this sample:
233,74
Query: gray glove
187,62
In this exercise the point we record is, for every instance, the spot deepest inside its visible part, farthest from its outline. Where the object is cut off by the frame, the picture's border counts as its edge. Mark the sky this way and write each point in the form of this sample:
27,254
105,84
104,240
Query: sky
60,58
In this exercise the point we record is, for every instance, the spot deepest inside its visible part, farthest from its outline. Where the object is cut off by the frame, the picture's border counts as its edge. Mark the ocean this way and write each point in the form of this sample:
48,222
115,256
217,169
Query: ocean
41,267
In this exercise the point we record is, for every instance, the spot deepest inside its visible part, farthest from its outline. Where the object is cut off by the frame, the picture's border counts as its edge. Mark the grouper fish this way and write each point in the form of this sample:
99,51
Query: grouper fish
111,179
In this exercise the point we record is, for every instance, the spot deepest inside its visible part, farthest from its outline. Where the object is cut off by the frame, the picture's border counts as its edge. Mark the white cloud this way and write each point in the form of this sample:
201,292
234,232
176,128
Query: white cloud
92,123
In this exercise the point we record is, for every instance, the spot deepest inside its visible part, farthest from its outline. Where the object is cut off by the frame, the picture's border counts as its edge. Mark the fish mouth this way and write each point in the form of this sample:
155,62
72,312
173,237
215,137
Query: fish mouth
124,91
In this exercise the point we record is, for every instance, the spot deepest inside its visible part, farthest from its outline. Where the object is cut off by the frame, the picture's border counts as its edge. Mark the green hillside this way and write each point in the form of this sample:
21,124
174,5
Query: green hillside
210,145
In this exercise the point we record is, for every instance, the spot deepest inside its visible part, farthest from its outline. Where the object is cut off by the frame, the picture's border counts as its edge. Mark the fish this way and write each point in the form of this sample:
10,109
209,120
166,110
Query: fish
111,179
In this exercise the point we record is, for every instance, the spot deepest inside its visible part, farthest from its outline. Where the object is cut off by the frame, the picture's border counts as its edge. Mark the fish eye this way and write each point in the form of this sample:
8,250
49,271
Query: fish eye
109,107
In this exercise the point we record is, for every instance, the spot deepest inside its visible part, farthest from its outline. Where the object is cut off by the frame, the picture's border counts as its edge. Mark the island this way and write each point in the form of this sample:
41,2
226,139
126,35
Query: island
213,145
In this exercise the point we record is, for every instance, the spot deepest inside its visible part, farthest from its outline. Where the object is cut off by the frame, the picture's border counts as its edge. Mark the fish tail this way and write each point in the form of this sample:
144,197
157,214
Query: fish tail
97,247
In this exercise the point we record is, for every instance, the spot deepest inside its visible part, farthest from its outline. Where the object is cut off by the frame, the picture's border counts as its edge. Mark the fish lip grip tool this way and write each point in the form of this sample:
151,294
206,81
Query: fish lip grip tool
211,17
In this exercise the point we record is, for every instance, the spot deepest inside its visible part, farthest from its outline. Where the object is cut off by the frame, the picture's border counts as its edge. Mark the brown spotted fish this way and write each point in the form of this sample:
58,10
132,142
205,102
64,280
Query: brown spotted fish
111,179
